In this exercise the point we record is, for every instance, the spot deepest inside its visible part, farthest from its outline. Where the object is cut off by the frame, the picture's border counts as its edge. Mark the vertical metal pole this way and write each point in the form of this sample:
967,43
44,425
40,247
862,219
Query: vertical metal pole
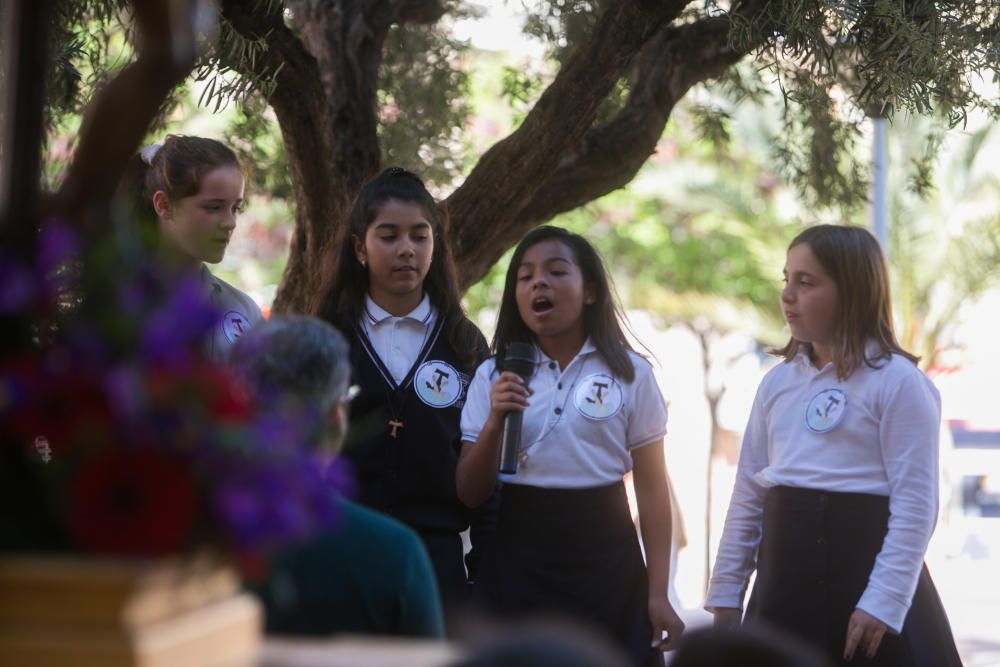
880,169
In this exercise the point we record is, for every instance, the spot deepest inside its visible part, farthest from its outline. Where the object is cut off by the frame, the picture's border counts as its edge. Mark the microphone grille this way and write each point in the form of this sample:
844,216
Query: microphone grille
520,359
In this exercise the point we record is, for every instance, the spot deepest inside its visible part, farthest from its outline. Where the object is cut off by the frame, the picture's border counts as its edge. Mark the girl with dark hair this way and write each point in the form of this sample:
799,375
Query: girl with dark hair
565,541
188,192
395,297
837,486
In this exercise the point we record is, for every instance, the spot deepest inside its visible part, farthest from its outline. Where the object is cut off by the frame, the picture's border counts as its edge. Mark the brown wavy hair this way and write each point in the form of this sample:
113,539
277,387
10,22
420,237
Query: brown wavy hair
852,258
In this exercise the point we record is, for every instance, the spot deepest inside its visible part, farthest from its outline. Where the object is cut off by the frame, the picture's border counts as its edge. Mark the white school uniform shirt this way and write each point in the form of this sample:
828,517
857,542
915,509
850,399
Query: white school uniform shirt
876,432
581,424
238,313
398,340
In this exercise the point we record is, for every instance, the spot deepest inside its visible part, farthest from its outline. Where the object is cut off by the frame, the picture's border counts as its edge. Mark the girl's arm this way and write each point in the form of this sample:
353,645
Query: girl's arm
909,426
653,500
476,473
737,554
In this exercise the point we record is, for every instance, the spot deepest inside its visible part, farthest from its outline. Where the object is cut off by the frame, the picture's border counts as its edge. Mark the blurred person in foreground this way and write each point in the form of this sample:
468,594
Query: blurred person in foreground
539,641
752,645
370,574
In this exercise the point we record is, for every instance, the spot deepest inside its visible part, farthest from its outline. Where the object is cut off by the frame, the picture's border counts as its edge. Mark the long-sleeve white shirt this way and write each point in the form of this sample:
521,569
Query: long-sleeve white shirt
878,435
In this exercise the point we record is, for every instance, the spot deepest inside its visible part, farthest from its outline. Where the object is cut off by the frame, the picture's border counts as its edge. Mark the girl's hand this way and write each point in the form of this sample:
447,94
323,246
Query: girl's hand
664,619
508,394
864,631
726,617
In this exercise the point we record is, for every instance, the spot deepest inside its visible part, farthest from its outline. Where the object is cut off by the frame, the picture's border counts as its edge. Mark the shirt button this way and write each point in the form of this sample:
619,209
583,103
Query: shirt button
552,365
559,385
558,411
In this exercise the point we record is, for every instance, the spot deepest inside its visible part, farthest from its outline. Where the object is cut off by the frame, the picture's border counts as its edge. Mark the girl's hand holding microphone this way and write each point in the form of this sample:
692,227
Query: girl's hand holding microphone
508,394
476,474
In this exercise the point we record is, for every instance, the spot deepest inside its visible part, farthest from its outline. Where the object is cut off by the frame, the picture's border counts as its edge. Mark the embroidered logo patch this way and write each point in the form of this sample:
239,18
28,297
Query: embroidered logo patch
438,384
234,325
826,410
599,396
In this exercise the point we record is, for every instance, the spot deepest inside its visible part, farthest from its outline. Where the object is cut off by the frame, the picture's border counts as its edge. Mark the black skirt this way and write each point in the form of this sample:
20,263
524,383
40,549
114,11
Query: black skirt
571,552
816,554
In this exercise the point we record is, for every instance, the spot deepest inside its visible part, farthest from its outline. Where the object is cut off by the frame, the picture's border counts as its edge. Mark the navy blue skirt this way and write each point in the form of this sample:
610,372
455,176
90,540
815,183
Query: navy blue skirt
816,554
571,552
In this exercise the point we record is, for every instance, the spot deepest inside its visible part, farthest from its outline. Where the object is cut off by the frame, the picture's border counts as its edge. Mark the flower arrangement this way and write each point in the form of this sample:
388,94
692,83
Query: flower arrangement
118,436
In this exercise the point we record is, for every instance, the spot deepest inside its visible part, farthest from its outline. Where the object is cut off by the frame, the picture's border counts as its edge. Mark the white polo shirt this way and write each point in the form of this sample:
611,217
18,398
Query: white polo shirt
876,432
238,313
398,341
581,424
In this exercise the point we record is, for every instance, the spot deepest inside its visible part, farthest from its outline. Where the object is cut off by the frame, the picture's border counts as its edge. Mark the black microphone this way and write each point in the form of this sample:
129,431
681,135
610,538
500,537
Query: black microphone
520,359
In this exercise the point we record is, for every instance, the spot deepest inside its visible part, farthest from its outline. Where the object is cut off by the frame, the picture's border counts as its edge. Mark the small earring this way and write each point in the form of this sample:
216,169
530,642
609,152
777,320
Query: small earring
364,265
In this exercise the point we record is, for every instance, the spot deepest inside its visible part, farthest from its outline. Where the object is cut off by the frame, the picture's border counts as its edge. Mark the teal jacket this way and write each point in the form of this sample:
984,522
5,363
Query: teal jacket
370,574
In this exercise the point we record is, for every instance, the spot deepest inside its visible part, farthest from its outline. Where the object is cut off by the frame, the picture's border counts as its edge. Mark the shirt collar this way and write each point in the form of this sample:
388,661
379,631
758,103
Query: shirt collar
587,348
377,314
209,280
872,349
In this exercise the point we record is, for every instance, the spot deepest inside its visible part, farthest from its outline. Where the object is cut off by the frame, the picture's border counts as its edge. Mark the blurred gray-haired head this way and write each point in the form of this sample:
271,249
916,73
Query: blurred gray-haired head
295,355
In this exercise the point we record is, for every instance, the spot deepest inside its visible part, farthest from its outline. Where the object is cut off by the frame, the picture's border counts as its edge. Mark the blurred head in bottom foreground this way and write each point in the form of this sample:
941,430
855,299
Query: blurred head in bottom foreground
744,646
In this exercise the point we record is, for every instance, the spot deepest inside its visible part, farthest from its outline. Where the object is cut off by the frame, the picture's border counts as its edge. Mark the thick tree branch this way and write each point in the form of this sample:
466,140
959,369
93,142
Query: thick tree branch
609,155
120,114
507,177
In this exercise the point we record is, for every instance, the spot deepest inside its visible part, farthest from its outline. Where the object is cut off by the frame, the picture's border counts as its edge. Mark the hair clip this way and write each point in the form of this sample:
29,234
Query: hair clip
149,152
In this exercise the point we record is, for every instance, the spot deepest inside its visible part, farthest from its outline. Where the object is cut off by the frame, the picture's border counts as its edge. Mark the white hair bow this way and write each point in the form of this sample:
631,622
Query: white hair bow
149,152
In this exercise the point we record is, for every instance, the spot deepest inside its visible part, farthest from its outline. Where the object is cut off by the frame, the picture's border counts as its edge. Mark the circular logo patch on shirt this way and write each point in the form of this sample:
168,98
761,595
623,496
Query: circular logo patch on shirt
599,396
826,410
234,325
438,384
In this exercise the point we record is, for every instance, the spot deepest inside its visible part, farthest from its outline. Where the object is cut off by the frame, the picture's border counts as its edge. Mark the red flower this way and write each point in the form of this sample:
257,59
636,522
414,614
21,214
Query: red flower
64,408
209,384
133,502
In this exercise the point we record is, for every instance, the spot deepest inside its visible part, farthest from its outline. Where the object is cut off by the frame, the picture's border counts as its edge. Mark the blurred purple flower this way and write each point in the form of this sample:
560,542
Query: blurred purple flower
124,385
57,244
275,503
175,330
18,287
86,346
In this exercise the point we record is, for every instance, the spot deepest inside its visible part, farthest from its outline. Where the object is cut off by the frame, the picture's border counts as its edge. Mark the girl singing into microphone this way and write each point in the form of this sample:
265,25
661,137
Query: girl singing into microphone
565,541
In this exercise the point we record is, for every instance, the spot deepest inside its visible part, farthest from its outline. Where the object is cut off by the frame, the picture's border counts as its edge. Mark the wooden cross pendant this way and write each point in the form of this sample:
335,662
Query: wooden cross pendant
395,426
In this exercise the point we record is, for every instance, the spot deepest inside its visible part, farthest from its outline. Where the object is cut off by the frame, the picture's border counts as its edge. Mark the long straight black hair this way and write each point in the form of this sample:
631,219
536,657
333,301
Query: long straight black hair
343,302
601,319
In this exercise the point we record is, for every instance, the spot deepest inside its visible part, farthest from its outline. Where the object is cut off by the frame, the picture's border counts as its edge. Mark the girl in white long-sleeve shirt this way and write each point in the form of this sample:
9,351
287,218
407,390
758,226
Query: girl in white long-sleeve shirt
836,492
